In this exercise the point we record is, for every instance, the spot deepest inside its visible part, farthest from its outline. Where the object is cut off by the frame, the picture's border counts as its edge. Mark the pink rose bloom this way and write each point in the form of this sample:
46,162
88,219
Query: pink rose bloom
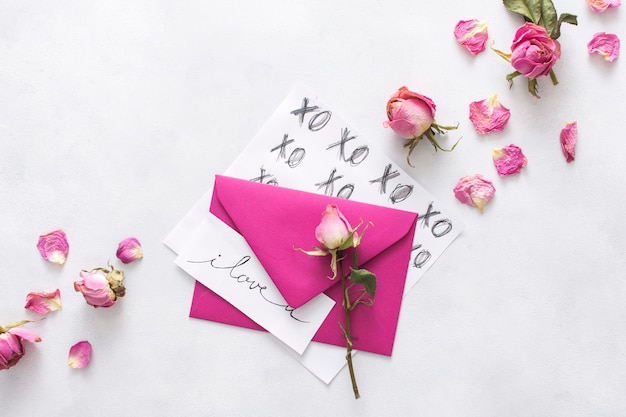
11,347
533,52
410,114
43,302
129,250
472,35
509,160
80,355
53,247
474,191
602,5
96,289
334,230
489,115
569,137
605,44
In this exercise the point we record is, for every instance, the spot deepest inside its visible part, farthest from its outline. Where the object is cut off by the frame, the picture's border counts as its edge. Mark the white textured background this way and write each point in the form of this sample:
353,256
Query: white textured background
116,114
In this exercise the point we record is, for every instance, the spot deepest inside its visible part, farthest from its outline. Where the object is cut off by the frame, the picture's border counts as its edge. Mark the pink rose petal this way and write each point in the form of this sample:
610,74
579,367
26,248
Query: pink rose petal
489,115
475,191
509,160
53,247
43,302
129,250
472,35
80,355
605,44
569,137
600,6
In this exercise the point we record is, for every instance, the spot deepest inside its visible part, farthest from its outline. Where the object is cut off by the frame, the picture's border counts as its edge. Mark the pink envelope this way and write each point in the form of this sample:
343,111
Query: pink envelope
274,220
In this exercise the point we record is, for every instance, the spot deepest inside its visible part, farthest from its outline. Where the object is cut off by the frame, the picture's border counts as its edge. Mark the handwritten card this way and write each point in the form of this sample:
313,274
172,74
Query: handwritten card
221,259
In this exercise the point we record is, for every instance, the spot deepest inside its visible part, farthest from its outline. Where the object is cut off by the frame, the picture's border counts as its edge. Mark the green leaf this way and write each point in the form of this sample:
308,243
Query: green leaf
530,9
564,18
366,278
548,17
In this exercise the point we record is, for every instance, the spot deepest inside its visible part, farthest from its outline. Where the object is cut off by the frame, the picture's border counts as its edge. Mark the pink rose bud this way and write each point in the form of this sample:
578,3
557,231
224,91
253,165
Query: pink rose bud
472,35
569,137
533,52
410,114
54,247
80,355
43,302
605,44
489,115
101,290
509,160
11,347
474,191
129,250
600,6
334,229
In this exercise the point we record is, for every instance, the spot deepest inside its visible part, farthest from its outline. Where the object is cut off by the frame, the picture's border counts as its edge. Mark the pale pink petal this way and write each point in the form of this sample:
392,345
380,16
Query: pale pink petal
475,191
605,44
472,35
129,250
43,302
53,247
25,334
569,137
80,354
600,6
509,160
489,115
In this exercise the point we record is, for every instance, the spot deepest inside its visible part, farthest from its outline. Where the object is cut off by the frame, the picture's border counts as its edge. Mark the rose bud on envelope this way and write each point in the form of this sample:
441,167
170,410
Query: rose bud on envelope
11,347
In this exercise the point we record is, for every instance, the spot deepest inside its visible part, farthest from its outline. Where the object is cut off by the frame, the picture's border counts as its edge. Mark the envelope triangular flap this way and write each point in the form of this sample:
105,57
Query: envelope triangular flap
276,220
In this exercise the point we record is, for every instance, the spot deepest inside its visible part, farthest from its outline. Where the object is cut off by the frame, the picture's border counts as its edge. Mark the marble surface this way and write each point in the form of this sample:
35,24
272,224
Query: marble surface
115,116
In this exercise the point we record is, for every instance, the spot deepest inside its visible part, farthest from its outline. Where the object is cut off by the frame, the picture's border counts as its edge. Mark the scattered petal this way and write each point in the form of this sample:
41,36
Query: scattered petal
600,6
43,302
509,160
129,250
472,35
569,137
489,115
80,355
605,44
475,191
53,247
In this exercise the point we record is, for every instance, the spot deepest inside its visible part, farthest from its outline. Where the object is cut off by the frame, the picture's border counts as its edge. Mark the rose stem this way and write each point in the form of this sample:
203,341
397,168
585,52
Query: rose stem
346,308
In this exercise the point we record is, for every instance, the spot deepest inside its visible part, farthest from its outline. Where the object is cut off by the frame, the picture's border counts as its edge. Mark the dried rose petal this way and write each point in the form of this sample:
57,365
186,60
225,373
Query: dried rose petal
53,247
605,44
43,302
80,355
475,191
489,115
129,250
602,5
509,160
569,137
472,35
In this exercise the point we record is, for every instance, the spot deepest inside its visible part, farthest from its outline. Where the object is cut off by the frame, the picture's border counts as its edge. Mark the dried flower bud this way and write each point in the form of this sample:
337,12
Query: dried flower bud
53,247
129,250
80,355
101,290
11,347
474,191
43,302
509,160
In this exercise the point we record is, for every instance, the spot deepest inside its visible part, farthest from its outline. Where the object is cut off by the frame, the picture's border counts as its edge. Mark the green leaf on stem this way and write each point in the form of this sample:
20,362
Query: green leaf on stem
563,18
548,17
366,278
530,9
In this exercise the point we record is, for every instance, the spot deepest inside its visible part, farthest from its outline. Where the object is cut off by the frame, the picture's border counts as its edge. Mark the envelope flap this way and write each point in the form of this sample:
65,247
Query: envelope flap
275,220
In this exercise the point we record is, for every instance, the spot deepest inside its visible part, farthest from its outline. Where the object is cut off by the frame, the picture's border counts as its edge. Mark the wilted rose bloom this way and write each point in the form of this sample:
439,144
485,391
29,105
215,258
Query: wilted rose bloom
11,347
410,114
533,52
129,250
53,247
605,44
489,115
80,354
601,5
100,290
472,35
43,302
569,137
509,160
334,229
475,191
